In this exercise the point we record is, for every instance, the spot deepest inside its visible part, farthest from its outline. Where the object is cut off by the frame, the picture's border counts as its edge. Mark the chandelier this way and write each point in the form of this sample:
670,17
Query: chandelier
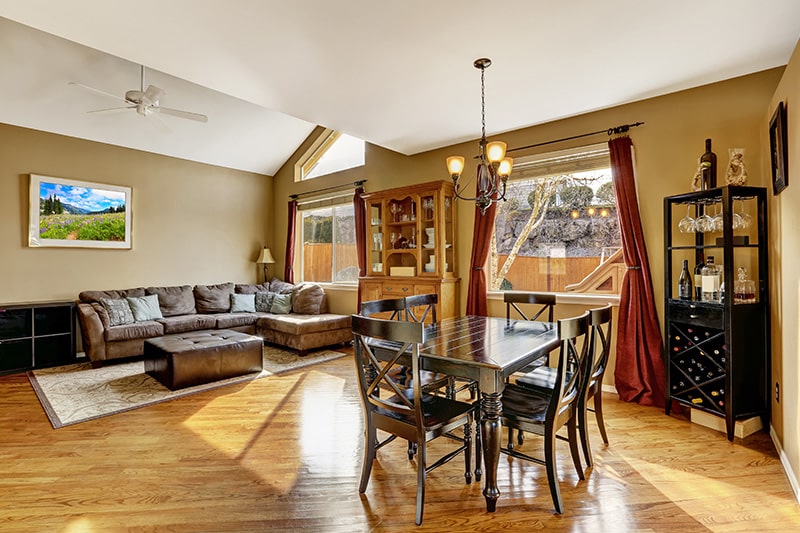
493,165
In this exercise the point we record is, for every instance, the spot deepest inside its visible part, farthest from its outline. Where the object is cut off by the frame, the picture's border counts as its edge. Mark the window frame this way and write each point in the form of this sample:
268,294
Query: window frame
311,157
337,200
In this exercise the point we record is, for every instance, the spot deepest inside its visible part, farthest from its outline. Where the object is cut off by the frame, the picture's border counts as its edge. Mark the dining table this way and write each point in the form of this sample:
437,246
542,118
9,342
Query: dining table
487,350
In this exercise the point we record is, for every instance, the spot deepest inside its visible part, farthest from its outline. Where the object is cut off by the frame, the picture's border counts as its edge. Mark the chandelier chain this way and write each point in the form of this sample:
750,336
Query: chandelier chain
483,104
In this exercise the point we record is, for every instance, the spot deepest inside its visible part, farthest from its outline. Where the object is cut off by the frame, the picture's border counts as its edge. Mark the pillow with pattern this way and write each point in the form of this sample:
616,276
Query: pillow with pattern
264,301
119,311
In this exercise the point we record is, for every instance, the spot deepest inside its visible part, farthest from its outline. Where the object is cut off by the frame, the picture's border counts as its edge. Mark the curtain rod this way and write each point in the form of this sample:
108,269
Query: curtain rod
611,131
326,189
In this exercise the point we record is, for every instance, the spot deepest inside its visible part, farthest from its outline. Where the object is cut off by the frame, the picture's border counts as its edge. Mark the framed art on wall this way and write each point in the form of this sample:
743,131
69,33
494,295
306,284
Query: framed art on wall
777,147
80,214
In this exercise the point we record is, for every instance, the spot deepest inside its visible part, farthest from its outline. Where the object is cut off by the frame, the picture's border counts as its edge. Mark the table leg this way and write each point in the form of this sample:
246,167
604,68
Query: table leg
491,433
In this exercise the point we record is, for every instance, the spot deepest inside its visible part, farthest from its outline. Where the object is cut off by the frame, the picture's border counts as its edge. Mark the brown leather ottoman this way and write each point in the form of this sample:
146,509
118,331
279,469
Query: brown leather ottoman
198,357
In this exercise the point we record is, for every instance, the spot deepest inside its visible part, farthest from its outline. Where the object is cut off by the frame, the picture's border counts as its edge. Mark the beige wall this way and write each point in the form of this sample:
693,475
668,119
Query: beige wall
192,223
784,220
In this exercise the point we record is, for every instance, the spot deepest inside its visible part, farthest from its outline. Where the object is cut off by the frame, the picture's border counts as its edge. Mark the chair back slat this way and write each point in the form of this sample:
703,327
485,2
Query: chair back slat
375,374
546,301
600,322
421,306
574,348
396,306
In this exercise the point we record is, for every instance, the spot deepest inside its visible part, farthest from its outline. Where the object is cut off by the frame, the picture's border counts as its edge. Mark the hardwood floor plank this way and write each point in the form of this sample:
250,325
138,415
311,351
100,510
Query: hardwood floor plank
284,454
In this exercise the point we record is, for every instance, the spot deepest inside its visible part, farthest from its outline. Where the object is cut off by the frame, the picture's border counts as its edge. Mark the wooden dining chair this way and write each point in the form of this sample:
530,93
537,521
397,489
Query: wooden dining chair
408,413
543,378
544,413
544,301
421,307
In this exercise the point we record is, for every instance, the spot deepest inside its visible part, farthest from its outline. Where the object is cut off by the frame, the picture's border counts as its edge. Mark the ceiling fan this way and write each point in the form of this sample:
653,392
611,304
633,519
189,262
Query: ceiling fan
144,101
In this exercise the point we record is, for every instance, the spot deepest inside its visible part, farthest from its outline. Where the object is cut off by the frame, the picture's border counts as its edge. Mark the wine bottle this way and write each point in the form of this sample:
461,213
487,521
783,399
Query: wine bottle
698,280
685,282
710,275
708,165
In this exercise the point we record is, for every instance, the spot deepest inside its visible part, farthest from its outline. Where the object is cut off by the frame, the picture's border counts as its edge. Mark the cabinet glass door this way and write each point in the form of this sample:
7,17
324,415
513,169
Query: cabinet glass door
375,237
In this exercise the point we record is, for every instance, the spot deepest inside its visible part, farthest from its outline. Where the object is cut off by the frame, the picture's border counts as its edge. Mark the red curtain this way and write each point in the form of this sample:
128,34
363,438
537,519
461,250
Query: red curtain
360,210
291,232
639,371
481,243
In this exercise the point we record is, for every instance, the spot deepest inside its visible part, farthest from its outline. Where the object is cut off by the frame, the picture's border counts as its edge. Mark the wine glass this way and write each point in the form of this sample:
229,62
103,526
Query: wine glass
686,224
719,225
747,220
393,238
704,223
395,209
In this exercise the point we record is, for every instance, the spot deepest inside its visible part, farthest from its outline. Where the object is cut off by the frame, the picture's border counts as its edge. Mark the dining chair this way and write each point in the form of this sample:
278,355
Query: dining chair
543,378
546,302
397,309
408,413
545,412
422,306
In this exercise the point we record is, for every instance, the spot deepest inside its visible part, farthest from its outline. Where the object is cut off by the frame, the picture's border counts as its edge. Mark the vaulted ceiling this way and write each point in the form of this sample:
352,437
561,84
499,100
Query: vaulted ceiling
397,74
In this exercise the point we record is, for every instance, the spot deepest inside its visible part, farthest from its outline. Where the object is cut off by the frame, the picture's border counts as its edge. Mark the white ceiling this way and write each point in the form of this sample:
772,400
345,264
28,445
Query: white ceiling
397,74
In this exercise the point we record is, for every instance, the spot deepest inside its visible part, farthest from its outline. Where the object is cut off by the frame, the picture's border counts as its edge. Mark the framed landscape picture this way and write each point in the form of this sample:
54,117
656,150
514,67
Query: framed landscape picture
777,147
78,214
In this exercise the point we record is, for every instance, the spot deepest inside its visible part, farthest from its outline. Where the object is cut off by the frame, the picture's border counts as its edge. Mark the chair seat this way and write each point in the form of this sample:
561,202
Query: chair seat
542,378
430,381
436,410
522,403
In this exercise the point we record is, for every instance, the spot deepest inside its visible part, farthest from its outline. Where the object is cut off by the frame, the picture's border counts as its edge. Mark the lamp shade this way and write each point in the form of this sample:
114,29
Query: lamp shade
265,257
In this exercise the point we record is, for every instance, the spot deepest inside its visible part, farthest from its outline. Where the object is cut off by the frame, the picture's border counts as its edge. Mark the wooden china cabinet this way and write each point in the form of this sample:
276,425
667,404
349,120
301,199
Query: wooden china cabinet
411,246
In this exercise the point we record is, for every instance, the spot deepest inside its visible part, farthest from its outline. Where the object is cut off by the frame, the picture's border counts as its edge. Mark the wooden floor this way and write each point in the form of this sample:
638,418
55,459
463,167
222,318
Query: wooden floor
283,453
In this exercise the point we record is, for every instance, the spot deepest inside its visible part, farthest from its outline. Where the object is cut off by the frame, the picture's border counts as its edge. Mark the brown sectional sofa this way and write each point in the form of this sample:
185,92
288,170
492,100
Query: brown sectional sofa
108,334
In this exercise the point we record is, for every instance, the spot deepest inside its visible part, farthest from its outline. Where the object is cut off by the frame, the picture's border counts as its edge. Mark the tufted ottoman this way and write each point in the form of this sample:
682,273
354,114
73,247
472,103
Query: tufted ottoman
198,357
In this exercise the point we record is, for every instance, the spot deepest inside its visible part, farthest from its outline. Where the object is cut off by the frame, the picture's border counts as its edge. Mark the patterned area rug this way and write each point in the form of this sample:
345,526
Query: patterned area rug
76,393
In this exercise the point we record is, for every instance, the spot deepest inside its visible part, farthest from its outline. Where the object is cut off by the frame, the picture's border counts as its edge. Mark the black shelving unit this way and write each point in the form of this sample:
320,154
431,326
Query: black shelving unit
36,335
717,354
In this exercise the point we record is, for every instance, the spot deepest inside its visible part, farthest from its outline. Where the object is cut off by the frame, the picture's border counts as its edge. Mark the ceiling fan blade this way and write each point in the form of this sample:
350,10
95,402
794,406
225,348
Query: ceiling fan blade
182,114
158,122
98,91
111,109
152,94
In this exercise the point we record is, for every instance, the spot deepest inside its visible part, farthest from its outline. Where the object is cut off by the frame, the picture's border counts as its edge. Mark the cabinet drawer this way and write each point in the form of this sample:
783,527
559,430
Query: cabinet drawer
398,288
696,313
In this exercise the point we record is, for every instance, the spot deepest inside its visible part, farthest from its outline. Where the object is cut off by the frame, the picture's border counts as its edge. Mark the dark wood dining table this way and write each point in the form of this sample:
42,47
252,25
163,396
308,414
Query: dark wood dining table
487,350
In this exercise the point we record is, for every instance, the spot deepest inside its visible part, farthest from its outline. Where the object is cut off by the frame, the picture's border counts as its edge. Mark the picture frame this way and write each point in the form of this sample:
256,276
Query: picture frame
78,214
777,146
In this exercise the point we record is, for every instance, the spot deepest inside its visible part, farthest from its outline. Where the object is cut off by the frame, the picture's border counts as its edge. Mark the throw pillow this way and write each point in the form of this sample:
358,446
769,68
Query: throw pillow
281,287
213,298
243,303
264,301
145,308
119,312
307,299
282,304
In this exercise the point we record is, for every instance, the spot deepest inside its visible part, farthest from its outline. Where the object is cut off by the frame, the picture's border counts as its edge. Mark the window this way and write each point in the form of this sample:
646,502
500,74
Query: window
329,244
333,151
558,230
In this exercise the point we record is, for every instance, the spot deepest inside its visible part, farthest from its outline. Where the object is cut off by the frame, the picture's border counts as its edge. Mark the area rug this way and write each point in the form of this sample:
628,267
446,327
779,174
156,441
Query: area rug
76,393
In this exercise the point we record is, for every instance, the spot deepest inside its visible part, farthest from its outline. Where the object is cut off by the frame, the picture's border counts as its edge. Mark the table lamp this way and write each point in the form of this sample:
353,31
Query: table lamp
266,259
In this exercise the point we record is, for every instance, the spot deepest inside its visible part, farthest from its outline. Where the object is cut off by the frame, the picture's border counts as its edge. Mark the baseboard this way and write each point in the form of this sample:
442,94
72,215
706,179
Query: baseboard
610,388
787,467
741,429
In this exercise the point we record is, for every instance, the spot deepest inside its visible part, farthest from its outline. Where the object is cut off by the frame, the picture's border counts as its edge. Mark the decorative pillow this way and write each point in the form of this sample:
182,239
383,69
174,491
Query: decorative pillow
119,312
307,299
243,303
281,304
281,287
213,298
241,288
264,301
145,308
174,300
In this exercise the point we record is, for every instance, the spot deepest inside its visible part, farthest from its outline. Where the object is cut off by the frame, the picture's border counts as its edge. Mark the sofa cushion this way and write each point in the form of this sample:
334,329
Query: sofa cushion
96,296
264,301
243,303
241,288
118,311
301,324
174,300
213,298
233,320
281,304
307,299
145,308
137,330
281,287
183,323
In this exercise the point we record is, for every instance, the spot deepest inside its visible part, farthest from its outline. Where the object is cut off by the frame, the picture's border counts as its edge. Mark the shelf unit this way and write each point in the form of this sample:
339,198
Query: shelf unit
411,244
717,353
36,335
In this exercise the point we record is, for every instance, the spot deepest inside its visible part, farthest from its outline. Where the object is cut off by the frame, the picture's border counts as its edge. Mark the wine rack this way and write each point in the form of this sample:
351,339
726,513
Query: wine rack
716,353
